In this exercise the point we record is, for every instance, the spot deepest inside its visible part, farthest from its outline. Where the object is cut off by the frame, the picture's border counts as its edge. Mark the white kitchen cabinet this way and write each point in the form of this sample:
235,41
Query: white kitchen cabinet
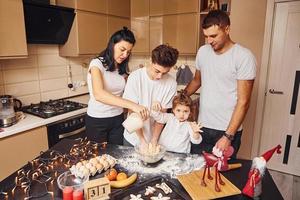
12,30
18,149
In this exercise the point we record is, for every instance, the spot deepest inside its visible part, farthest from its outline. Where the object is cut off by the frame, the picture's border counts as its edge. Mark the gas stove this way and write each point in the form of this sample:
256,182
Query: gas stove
51,108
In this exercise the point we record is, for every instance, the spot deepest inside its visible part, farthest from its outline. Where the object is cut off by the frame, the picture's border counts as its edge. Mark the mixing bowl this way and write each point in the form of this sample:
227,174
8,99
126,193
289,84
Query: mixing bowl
150,157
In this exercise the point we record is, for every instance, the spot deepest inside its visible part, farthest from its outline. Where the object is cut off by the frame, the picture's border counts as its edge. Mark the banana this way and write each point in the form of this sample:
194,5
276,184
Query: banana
125,182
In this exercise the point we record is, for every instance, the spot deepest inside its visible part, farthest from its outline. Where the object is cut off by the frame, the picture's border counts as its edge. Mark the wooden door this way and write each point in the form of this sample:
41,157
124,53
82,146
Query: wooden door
281,121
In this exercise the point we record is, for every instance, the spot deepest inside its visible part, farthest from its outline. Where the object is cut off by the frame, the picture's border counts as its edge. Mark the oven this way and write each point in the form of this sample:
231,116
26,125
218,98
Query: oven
72,128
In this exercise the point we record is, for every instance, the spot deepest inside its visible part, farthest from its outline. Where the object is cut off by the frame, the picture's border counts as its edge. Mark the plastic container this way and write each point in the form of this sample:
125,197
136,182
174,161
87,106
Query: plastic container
133,122
67,179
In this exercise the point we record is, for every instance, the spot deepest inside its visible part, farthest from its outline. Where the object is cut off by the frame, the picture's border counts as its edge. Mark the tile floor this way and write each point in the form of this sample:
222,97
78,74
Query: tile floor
288,185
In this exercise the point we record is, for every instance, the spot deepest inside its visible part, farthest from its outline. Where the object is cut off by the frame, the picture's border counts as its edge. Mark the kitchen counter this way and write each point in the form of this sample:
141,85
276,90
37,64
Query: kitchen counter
32,121
238,176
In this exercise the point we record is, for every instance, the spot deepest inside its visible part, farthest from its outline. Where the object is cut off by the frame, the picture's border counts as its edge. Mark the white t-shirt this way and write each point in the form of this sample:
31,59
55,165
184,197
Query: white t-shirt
176,136
113,82
142,90
219,75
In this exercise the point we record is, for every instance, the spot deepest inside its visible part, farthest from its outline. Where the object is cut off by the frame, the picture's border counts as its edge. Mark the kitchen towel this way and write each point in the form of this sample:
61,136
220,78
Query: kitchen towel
184,75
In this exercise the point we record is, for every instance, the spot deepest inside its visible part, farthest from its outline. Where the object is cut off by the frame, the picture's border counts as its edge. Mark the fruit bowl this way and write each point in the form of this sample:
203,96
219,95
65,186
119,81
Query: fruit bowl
149,155
67,179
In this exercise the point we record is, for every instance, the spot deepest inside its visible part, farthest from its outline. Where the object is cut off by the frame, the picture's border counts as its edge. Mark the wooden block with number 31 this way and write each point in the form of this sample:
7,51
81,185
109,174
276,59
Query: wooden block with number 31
97,189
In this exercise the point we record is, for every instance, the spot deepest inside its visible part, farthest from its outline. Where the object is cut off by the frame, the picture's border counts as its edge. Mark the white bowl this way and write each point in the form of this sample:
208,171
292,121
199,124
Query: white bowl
67,179
153,158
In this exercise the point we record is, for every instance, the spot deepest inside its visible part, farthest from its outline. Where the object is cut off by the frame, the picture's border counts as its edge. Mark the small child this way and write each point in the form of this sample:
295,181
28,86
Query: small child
178,131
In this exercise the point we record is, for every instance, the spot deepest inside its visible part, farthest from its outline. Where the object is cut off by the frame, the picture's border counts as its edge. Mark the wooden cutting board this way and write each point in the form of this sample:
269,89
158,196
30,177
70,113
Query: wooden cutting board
192,184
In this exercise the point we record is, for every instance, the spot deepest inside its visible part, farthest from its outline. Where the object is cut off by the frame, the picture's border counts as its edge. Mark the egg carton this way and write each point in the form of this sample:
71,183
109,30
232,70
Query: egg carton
92,166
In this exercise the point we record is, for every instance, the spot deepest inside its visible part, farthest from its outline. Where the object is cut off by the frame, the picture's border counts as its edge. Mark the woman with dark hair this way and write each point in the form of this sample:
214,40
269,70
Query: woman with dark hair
106,83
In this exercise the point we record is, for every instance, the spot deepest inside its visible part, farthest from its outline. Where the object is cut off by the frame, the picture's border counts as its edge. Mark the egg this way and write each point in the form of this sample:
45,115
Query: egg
84,162
99,167
111,162
104,156
93,161
88,165
78,165
93,170
86,172
105,165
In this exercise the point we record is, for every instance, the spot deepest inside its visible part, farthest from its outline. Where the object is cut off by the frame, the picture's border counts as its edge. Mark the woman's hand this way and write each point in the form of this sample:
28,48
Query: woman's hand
142,111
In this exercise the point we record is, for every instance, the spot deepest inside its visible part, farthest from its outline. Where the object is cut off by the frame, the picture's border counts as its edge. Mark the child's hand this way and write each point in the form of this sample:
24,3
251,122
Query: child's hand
196,127
156,106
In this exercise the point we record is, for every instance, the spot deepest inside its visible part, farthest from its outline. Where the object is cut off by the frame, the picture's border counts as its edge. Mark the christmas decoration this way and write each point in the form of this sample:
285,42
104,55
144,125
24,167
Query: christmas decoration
218,160
253,187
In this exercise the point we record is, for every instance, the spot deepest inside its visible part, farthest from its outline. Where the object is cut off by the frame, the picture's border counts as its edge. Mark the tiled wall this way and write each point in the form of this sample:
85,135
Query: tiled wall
44,74
41,76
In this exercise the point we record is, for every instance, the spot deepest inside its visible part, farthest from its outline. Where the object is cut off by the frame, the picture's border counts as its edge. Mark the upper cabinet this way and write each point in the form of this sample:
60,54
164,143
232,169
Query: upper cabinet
175,31
139,9
168,7
98,6
119,8
140,26
88,35
94,23
180,34
116,23
12,30
175,22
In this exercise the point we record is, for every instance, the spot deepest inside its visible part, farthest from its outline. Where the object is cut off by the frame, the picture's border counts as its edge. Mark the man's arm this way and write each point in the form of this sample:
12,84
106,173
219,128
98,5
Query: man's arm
194,85
244,90
157,128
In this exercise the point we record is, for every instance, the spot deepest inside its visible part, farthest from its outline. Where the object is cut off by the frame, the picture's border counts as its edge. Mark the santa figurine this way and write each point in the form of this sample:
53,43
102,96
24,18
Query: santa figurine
253,187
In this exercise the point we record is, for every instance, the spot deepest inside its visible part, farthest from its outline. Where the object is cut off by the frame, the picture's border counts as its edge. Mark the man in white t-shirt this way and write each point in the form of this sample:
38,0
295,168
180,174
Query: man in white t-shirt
146,85
226,72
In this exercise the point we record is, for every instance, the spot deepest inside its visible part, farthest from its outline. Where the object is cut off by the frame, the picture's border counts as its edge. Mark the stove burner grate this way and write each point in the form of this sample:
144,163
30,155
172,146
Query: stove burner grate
46,109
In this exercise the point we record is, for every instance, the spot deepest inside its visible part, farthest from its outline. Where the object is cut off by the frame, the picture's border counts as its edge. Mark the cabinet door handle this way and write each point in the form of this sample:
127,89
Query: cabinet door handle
272,91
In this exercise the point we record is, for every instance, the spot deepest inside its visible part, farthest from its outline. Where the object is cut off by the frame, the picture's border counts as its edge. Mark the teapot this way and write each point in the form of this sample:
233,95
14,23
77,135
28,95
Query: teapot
8,106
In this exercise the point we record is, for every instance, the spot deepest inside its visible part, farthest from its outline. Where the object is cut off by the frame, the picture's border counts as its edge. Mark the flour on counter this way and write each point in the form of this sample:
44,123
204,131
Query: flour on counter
171,164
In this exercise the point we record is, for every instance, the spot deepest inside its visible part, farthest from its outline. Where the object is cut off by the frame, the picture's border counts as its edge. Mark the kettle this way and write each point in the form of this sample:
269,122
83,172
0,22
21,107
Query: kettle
8,106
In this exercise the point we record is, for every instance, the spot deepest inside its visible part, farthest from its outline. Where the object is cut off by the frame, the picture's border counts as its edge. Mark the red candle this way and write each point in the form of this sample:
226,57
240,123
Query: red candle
68,193
78,195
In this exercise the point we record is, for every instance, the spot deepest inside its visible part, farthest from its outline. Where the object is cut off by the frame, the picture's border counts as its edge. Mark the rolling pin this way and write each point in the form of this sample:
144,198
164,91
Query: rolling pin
232,166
